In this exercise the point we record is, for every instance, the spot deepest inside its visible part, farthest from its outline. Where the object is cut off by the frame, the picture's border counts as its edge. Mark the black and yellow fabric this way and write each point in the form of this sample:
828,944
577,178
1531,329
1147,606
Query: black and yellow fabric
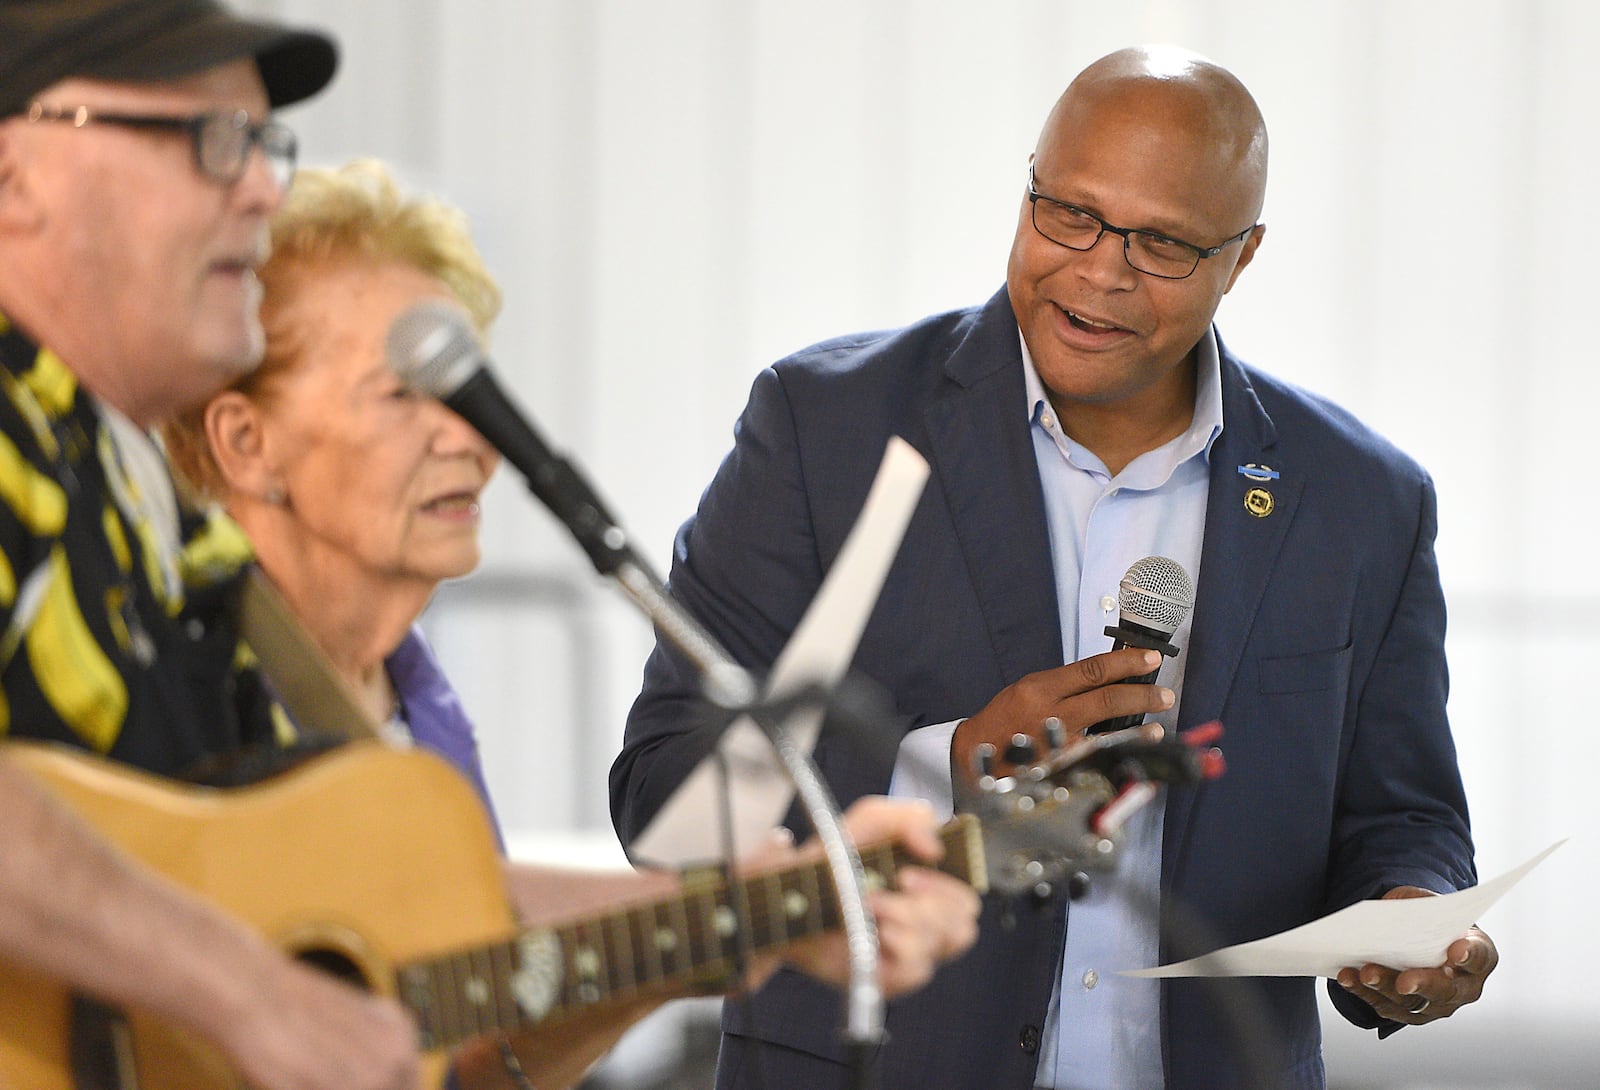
118,629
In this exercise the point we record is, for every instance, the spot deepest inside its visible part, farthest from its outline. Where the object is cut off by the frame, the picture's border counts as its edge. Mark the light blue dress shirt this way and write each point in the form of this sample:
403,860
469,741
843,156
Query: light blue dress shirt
1103,1030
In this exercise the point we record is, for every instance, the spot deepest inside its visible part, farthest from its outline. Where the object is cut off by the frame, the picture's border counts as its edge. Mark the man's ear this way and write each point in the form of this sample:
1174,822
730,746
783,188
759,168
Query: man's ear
1247,253
19,211
240,447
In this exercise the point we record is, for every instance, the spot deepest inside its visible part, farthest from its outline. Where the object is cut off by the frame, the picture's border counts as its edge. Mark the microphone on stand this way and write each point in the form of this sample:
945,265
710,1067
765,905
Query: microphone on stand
1155,596
433,348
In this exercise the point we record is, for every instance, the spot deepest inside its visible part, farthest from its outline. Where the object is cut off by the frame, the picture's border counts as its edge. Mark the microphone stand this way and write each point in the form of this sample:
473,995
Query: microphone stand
730,686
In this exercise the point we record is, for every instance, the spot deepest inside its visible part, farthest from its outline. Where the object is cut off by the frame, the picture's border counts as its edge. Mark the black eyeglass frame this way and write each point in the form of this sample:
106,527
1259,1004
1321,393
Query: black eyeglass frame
1127,233
276,140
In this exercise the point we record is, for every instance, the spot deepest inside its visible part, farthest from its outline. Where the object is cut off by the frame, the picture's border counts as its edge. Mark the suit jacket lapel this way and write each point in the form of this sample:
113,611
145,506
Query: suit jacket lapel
980,446
1243,537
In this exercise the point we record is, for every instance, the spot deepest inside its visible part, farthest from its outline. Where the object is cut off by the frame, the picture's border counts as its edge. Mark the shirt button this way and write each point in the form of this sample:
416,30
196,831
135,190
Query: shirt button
1108,603
1047,420
1028,1039
1090,979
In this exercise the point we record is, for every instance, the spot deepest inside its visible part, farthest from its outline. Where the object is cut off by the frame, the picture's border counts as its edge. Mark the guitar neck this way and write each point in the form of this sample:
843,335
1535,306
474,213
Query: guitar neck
691,942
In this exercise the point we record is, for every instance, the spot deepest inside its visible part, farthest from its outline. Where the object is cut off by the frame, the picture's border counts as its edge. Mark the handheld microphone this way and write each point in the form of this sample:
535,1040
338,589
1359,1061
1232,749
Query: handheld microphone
1155,596
432,347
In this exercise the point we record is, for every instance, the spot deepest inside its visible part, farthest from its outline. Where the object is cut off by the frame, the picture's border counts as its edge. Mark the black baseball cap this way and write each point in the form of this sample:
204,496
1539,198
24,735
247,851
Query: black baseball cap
137,41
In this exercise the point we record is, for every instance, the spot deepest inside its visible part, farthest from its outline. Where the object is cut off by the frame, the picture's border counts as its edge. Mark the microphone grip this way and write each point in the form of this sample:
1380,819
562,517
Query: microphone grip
554,480
481,402
1133,635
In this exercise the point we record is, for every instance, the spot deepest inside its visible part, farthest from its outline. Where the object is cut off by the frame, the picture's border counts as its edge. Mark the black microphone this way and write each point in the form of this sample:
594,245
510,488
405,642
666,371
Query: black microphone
1155,596
432,347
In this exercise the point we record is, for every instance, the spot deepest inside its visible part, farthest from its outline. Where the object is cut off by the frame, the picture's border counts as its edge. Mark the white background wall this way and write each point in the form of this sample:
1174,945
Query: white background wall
675,192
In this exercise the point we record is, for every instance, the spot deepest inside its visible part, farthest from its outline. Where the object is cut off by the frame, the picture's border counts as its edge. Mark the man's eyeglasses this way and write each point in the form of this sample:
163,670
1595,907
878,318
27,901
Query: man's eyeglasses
1156,254
221,141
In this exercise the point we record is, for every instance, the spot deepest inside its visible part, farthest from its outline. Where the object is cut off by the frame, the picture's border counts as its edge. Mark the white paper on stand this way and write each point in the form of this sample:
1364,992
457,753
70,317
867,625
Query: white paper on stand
1402,934
689,827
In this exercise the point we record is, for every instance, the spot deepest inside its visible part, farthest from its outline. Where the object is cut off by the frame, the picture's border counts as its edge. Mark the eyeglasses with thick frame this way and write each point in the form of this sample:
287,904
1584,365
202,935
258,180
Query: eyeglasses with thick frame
1145,251
221,140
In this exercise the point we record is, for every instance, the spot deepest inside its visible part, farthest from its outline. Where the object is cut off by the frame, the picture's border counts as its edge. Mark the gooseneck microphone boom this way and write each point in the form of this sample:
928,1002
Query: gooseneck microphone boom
1155,596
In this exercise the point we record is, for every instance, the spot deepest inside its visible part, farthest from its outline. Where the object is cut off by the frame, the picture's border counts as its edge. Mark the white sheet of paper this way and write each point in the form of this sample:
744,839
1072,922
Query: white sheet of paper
1400,934
688,829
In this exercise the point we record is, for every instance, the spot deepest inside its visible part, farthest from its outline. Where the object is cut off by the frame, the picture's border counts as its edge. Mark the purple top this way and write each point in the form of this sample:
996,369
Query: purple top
434,714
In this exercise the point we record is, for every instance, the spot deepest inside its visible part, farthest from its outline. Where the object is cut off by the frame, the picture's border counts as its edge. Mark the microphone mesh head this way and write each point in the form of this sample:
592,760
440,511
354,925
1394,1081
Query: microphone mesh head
432,347
1157,593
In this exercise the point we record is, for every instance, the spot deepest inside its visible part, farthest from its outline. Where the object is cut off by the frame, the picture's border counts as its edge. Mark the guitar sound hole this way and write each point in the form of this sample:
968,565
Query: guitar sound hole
335,964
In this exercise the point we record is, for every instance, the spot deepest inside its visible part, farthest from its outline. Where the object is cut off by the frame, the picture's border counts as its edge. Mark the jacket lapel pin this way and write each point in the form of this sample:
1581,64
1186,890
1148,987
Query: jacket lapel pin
1258,501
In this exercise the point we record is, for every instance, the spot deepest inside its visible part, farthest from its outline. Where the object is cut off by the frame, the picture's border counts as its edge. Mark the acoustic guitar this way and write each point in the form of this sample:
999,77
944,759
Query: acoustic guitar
379,865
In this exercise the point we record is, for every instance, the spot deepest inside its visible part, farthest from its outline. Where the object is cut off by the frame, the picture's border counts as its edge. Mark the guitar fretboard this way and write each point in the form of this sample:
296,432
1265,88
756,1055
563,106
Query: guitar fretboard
691,941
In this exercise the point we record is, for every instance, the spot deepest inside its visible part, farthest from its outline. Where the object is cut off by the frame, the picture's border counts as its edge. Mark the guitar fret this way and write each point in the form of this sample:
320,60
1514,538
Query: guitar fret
735,931
831,915
461,976
502,963
445,999
684,954
750,906
771,892
714,932
586,963
642,945
567,987
810,878
419,994
664,943
793,904
456,1004
622,943
480,991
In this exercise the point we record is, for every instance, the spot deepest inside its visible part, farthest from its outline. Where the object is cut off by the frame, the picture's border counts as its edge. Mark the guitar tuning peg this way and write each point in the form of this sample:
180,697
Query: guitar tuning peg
983,759
1077,886
1055,733
1021,750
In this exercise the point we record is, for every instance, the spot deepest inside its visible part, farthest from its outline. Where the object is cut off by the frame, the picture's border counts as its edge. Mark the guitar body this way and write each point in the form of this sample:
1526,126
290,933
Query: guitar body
361,860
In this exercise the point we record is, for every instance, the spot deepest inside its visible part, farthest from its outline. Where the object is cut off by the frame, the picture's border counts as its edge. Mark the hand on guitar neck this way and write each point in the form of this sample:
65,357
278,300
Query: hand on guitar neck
925,919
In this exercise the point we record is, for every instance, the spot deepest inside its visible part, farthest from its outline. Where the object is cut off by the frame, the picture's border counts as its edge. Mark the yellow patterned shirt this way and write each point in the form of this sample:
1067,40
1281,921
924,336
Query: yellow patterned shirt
115,635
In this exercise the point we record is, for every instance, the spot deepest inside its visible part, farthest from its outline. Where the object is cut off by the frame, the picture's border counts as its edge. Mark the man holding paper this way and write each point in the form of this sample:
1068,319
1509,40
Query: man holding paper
1087,416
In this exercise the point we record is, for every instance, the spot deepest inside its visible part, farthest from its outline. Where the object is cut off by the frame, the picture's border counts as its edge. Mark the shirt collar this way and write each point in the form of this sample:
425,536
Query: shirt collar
1203,429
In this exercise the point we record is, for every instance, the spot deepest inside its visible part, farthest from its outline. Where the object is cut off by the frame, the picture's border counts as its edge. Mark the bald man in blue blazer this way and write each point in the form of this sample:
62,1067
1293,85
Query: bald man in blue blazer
1086,416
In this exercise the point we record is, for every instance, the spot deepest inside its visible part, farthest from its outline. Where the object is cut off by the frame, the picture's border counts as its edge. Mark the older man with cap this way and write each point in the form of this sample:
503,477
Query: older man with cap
133,211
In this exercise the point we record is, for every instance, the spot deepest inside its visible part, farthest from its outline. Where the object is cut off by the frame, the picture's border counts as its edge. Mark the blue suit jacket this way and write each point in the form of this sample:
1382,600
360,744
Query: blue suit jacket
1317,640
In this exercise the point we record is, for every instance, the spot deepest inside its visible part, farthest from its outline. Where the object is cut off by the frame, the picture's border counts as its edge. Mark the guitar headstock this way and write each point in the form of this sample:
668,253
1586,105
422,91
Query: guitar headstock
1048,823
